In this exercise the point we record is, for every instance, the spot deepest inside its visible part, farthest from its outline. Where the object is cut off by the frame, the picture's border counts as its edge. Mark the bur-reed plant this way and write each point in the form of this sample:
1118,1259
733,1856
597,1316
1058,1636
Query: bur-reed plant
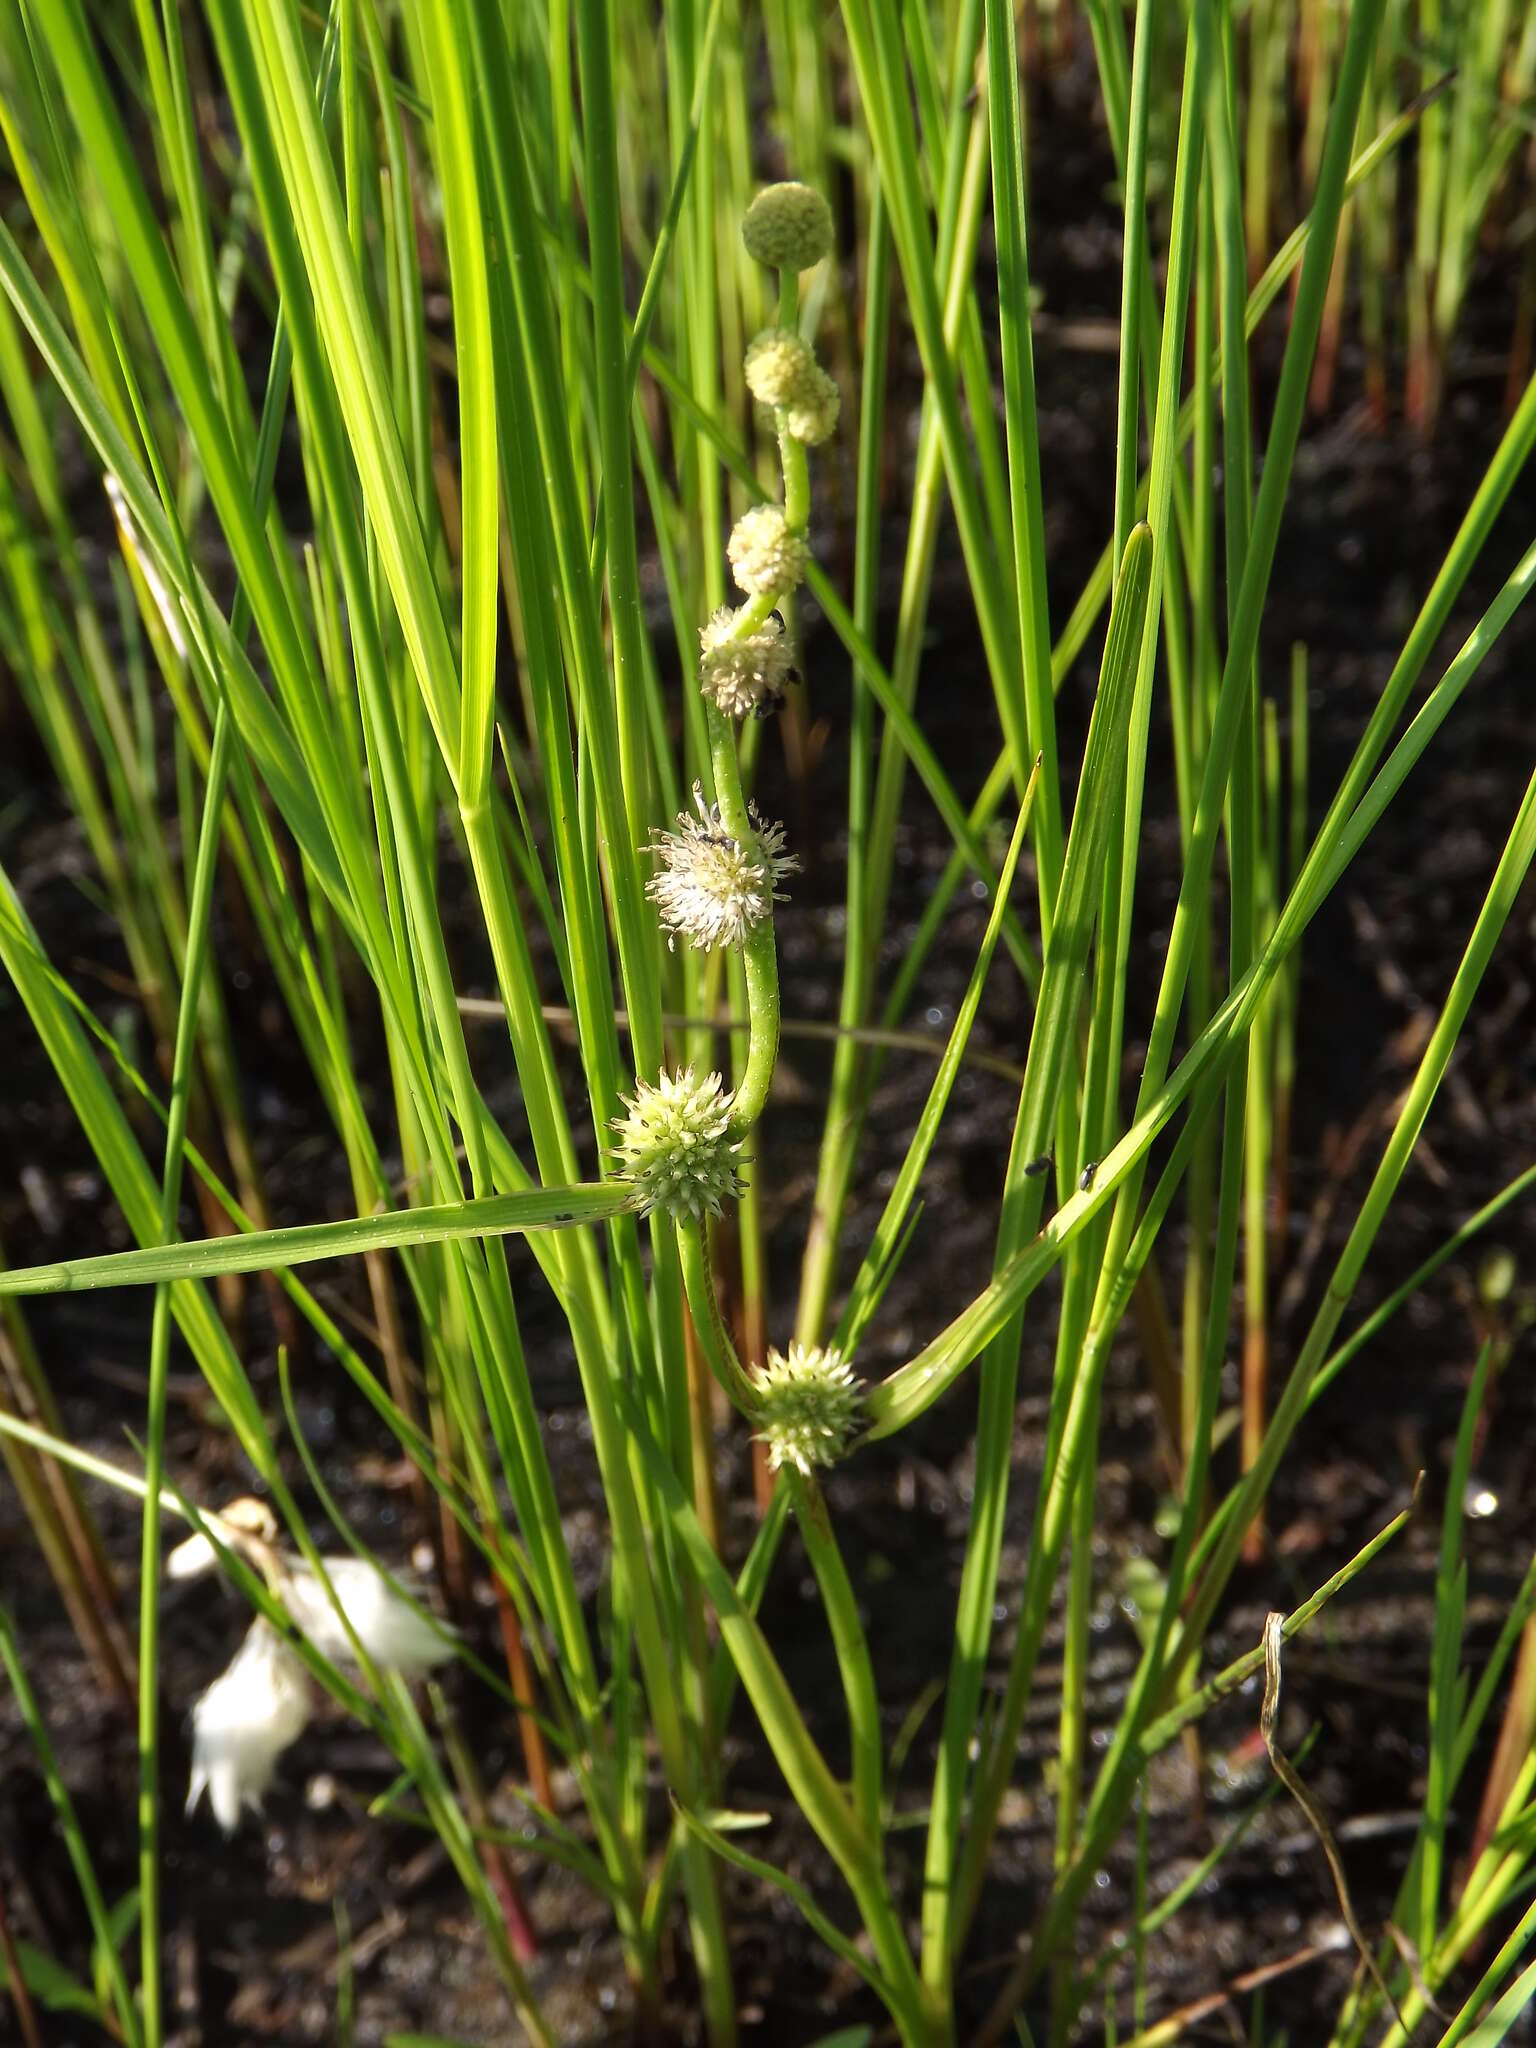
549,366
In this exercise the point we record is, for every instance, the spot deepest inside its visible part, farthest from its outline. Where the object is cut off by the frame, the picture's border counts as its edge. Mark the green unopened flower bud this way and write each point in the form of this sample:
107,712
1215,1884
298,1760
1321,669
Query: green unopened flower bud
810,1401
742,673
788,227
711,886
675,1146
767,559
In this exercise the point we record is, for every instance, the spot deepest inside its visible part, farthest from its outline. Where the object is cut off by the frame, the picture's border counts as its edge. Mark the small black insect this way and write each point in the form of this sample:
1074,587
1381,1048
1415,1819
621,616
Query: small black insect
1036,1167
1085,1178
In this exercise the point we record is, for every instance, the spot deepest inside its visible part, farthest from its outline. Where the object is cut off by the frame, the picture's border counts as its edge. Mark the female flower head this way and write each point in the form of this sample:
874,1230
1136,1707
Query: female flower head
675,1145
809,1406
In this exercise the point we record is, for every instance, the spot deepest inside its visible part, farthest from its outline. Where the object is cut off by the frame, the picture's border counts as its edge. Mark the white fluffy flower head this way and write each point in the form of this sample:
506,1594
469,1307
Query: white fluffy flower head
743,673
767,558
710,886
783,372
244,1722
675,1145
788,227
779,366
812,418
810,1401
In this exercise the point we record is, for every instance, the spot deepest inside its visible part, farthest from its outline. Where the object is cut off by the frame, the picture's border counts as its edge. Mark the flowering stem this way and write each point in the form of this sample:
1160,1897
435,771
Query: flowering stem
760,958
848,1640
699,1285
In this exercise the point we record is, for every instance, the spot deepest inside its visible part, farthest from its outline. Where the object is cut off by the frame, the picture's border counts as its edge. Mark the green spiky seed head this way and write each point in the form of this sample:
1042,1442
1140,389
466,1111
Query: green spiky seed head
743,673
675,1147
767,559
788,227
810,1401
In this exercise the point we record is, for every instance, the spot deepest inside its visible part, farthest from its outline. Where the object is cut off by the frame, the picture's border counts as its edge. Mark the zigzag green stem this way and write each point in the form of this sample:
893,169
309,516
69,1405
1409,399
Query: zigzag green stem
699,1285
759,954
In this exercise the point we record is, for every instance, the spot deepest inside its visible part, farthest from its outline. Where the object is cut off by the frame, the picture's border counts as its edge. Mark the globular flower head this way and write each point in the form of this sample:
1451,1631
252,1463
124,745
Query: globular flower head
813,416
810,1401
783,372
710,886
244,1722
779,366
788,227
743,672
675,1145
767,559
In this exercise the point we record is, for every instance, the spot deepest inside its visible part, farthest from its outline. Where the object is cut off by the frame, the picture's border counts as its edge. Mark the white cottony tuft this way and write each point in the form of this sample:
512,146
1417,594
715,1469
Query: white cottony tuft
395,1636
252,1711
244,1722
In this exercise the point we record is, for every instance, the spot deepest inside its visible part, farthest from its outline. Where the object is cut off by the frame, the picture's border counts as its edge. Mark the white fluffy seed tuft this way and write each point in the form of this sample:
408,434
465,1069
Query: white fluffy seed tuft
243,1723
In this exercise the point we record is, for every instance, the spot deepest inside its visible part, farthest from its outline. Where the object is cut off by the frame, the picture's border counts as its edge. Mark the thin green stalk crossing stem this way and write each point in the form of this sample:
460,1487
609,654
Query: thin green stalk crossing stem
198,940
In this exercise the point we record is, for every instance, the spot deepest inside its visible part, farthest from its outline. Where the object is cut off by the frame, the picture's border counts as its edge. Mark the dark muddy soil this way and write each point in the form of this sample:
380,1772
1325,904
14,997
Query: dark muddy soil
252,1925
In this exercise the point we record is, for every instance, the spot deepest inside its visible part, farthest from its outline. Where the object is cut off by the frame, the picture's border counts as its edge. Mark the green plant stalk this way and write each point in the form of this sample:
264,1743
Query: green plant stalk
1510,872
959,223
1080,623
159,1365
1232,704
880,74
599,108
74,1840
852,1651
1025,495
1050,1053
1155,1737
959,218
257,1251
840,1129
454,1833
920,2019
888,1237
